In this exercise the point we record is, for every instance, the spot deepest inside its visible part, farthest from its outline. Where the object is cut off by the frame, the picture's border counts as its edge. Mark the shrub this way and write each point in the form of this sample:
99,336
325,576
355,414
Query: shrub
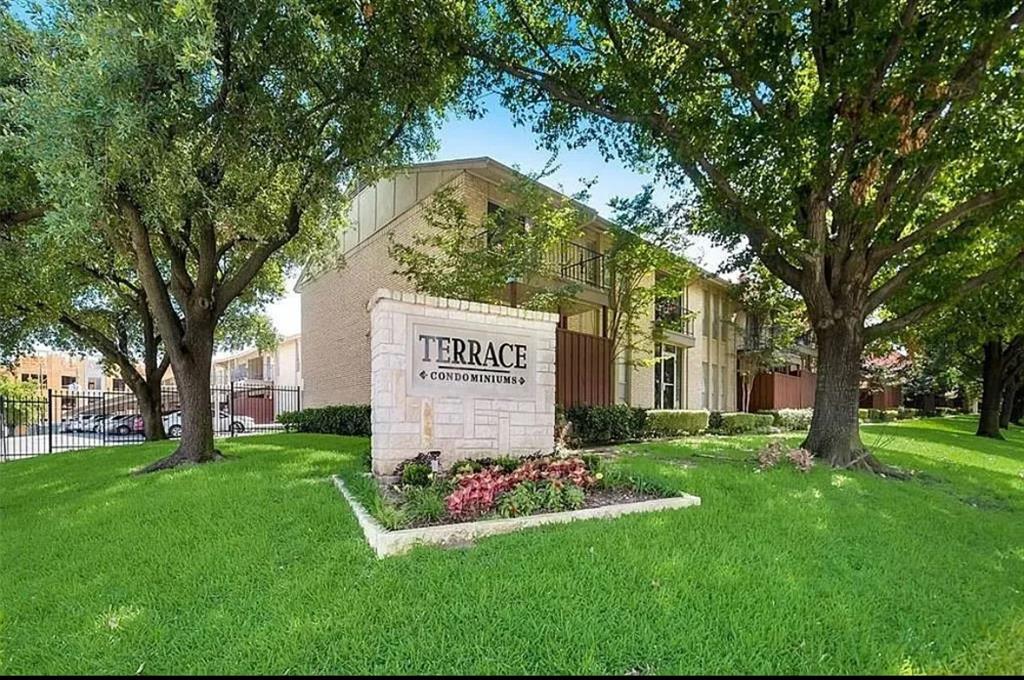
665,423
524,499
416,474
791,418
745,423
466,466
607,424
715,421
479,492
946,411
424,504
877,415
572,497
345,420
906,413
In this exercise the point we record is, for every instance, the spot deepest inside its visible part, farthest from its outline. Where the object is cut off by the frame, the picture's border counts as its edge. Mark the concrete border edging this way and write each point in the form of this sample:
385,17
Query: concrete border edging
386,543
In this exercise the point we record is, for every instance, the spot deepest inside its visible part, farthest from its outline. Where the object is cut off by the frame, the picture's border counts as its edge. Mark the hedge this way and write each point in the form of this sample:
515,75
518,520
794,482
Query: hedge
791,418
347,420
607,424
745,423
666,423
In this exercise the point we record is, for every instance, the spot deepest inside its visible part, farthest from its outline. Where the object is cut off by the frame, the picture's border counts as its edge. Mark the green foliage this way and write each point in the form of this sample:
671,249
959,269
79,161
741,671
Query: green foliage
745,423
474,256
607,424
424,504
22,406
646,266
286,550
666,423
775,319
525,499
416,474
345,420
210,147
715,421
791,418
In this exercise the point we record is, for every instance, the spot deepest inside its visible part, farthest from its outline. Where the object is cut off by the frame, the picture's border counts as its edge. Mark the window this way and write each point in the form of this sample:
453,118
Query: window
704,398
298,357
67,380
716,307
723,400
93,384
707,313
715,388
621,379
118,385
666,376
34,377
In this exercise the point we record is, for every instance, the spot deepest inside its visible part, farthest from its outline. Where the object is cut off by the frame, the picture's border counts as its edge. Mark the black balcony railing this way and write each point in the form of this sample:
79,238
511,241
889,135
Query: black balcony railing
670,315
578,263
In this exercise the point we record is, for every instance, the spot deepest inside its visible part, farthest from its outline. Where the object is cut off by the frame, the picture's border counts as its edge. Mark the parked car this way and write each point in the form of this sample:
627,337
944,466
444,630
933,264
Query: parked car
97,423
122,424
222,422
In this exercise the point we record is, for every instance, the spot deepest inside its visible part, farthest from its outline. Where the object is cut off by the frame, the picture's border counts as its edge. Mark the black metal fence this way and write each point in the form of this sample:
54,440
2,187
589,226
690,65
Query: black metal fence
66,420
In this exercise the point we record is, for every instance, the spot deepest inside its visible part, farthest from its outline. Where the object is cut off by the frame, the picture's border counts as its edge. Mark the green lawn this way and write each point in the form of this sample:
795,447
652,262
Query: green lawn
255,564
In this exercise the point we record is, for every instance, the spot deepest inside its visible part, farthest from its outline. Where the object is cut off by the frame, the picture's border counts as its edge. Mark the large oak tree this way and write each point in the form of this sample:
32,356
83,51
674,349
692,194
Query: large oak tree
210,144
842,142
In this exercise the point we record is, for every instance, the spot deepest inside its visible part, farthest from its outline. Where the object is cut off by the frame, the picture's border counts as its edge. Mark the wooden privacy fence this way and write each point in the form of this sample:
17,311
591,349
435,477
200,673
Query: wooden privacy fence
583,369
781,390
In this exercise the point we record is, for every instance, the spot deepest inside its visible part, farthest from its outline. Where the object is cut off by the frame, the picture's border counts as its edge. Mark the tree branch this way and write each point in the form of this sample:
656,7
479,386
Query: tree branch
149,274
230,289
956,214
913,316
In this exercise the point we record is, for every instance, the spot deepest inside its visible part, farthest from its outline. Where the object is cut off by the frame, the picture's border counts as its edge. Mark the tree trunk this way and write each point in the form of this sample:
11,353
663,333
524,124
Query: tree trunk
151,410
1017,411
928,404
192,376
991,395
1010,391
835,430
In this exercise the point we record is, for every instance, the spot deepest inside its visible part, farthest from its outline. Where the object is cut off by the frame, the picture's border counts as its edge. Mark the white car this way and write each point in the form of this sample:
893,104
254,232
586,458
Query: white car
222,422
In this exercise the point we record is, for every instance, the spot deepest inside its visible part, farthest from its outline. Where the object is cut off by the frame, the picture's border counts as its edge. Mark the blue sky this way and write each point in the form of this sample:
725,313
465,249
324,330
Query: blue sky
496,136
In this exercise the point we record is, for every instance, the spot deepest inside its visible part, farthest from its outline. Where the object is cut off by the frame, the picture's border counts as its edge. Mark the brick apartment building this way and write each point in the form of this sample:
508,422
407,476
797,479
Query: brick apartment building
698,355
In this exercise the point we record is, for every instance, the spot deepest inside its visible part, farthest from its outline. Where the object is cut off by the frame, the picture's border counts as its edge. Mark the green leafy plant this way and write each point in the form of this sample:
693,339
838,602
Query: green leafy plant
416,474
524,499
745,423
667,423
607,424
791,418
424,504
573,497
351,420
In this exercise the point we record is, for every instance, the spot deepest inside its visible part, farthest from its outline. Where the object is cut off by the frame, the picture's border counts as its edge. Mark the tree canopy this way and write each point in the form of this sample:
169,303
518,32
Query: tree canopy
845,144
210,144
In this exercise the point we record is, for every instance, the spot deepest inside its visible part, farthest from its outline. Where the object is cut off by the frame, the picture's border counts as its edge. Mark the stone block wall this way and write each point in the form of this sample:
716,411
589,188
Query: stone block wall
470,424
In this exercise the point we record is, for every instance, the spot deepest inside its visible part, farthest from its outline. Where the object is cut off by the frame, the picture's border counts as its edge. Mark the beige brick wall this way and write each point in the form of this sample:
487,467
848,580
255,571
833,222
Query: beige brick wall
335,320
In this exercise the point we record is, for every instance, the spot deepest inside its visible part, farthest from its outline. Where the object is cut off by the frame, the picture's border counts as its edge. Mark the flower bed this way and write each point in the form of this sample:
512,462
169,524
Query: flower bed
502,488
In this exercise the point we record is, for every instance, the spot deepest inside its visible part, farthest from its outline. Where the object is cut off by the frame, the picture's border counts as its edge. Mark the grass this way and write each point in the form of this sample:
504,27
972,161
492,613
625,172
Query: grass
255,564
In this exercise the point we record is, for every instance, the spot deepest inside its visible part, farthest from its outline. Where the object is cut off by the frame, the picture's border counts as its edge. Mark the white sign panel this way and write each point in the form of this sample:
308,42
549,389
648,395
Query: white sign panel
469,360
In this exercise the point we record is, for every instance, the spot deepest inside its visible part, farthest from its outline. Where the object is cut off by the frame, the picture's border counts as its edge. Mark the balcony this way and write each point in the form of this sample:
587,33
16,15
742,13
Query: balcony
670,315
578,263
